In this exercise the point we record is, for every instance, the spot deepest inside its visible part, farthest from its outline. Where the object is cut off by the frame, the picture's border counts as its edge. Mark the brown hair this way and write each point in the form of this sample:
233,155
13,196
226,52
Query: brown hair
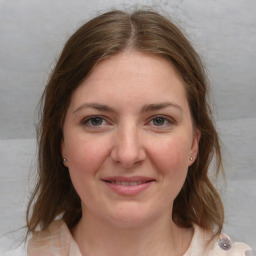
106,35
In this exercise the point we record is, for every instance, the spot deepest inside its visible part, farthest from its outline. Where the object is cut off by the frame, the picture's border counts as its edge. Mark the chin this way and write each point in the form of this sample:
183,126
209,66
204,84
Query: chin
131,217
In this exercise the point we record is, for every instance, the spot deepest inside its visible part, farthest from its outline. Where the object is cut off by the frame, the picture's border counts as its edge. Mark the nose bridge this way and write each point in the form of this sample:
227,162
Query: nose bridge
128,148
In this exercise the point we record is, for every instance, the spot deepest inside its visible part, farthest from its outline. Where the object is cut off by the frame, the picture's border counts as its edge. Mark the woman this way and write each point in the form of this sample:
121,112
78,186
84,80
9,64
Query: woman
125,143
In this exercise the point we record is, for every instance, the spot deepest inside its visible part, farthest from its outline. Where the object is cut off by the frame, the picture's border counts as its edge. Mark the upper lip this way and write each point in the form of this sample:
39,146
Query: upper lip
128,179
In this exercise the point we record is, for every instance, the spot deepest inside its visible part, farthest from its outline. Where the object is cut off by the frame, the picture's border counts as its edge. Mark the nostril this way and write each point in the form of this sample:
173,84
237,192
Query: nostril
128,157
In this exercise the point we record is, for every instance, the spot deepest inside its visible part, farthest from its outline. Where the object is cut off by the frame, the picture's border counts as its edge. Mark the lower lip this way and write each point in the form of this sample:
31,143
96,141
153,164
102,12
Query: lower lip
128,190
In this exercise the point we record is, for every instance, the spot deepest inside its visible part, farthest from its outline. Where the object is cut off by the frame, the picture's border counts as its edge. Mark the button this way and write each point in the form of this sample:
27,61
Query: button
225,244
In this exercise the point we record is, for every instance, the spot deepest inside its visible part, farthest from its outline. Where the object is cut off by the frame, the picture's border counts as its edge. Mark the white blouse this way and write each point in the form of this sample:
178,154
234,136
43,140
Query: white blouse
58,241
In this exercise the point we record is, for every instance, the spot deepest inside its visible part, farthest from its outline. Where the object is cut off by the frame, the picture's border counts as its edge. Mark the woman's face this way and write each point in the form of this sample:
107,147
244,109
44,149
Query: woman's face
128,139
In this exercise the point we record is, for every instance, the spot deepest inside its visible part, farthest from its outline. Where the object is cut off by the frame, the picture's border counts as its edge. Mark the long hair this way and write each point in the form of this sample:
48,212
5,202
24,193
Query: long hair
106,35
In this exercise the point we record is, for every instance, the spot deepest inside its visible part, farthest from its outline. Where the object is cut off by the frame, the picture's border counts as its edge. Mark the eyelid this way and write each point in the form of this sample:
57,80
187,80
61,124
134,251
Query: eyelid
85,120
170,120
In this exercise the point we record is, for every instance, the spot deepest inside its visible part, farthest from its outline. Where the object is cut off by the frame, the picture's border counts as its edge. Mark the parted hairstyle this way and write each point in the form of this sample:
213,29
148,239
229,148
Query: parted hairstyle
110,33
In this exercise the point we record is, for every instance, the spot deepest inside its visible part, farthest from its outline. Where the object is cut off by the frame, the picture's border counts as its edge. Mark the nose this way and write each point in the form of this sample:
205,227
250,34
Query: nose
128,149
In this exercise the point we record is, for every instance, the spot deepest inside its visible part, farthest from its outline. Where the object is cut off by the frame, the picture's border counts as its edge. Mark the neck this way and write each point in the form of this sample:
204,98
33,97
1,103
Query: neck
161,237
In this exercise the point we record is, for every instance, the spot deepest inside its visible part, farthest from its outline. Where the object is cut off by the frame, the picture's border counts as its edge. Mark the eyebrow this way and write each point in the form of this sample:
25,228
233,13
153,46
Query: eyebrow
95,106
146,108
158,106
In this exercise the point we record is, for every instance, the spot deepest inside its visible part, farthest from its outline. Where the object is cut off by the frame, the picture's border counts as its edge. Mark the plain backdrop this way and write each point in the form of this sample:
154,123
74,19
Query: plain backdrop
32,34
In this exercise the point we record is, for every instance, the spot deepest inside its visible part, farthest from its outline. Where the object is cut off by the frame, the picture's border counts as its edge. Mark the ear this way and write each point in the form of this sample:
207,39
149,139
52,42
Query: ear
63,153
194,146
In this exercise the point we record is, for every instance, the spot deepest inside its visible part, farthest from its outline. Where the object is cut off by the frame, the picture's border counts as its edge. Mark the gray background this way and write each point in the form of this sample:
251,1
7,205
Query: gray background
33,32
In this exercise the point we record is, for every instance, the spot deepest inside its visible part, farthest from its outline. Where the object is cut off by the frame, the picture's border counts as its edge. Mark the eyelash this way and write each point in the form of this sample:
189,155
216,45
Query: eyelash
167,121
91,118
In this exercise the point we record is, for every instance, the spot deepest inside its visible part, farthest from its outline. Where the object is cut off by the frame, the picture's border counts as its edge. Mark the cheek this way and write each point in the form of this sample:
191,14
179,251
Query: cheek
171,161
172,155
85,155
85,158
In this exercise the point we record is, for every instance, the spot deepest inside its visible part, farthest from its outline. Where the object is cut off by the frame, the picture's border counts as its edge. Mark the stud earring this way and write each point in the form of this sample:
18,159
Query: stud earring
191,158
65,160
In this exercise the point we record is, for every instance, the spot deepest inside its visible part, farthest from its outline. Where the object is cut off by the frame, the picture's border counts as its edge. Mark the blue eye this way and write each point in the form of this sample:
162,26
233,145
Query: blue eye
96,121
93,121
160,121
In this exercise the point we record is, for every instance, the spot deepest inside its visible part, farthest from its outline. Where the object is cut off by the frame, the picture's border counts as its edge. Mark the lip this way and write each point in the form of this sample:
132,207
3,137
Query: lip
128,190
128,179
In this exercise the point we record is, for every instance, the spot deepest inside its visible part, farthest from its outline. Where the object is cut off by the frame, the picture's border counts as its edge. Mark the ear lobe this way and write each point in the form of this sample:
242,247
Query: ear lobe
195,146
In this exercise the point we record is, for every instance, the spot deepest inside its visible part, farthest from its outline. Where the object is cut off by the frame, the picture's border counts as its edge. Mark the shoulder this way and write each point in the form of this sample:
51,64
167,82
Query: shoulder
58,229
222,245
55,240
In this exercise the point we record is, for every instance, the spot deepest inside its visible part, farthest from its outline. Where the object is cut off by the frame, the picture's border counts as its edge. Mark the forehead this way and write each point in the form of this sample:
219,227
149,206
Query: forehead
132,77
133,64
